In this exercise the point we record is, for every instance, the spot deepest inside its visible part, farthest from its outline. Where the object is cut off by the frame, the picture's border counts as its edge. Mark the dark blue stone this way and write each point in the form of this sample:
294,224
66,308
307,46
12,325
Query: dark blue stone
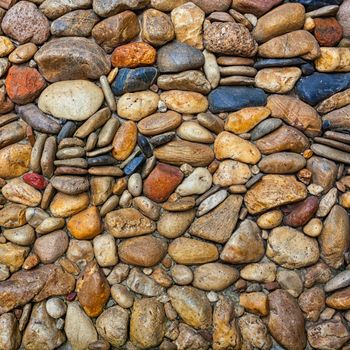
308,68
161,139
319,86
101,160
315,4
278,62
145,146
233,98
134,164
131,80
68,129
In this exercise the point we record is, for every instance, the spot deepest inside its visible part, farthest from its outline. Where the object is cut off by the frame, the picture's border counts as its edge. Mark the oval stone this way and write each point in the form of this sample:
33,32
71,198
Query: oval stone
282,163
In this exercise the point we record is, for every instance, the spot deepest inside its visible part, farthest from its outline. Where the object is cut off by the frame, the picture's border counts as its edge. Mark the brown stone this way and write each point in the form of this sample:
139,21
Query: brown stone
65,205
255,302
312,302
339,300
328,32
133,55
257,8
14,160
324,172
124,140
12,133
13,255
161,182
93,290
159,123
302,212
209,6
13,215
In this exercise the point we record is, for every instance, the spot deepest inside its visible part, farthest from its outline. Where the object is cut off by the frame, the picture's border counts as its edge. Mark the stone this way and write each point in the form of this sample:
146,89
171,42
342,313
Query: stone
339,281
245,245
132,80
291,249
112,325
156,27
107,8
70,184
24,22
6,46
285,325
51,246
198,182
41,330
133,55
188,20
218,224
73,100
282,163
56,8
328,31
159,122
78,327
180,152
336,120
186,102
270,219
331,153
64,205
192,305
231,172
281,20
18,191
140,283
11,133
302,212
178,57
211,69
23,235
259,272
76,23
128,222
289,45
24,84
55,307
122,295
13,255
147,323
137,105
214,276
74,57
339,300
319,273
11,336
254,302
212,6
342,16
105,250
272,191
12,216
124,141
86,224
101,189
313,228
312,302
189,251
333,59
253,7
174,224
233,98
228,145
317,87
324,172
277,80
14,160
246,119
93,290
143,251
334,238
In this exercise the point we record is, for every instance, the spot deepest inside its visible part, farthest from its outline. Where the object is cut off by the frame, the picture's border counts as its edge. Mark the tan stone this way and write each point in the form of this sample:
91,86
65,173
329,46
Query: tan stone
124,140
255,302
14,160
159,123
65,205
13,255
333,59
231,172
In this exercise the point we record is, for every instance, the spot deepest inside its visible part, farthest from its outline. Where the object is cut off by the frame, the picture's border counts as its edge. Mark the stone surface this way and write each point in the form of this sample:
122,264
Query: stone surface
14,160
106,8
256,8
342,16
333,60
328,31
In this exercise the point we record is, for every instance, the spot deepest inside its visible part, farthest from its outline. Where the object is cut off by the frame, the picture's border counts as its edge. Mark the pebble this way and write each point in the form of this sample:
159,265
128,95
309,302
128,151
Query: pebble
211,69
282,163
122,295
51,246
258,9
342,15
211,202
333,60
174,224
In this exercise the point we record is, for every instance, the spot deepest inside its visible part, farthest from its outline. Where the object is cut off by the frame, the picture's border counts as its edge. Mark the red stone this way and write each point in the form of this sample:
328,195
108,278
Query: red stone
161,182
36,180
71,296
302,212
24,84
328,31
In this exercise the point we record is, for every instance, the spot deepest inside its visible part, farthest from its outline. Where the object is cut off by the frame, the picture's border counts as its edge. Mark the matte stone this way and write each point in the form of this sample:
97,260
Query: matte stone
315,4
278,62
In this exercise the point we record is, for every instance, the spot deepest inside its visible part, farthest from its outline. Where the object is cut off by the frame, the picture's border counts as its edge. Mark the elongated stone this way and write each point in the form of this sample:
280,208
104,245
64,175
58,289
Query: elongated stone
331,153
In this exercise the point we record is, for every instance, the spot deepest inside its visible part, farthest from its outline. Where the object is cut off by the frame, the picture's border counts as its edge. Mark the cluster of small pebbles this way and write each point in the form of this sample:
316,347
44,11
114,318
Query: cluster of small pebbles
174,174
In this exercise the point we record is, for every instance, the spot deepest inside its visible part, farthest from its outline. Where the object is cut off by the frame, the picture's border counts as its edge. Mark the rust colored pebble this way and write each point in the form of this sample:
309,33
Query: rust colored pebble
328,31
302,212
161,182
35,180
24,84
71,296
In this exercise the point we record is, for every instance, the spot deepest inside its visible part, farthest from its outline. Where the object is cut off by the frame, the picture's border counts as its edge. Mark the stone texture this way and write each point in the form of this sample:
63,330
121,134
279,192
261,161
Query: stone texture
107,8
256,8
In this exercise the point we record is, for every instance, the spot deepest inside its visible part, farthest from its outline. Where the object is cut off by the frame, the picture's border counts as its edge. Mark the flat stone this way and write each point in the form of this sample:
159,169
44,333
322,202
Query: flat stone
65,205
74,57
282,163
342,16
339,300
56,8
330,153
142,284
333,59
278,62
265,127
12,133
256,8
174,224
272,191
106,8
159,123
70,184
211,202
13,215
341,280
337,119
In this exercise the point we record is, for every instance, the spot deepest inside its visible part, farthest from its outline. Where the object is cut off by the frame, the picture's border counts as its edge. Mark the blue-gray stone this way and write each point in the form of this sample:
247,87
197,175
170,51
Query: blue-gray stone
145,146
278,62
308,68
317,87
177,57
162,139
233,98
131,80
101,160
315,4
134,164
67,130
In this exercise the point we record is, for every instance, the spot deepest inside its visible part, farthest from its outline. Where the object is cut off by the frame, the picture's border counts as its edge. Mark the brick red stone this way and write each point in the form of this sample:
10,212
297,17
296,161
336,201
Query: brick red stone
328,31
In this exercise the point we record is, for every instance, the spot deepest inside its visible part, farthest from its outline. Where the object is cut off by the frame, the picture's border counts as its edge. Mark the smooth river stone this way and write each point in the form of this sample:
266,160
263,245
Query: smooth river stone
341,280
232,98
132,80
338,119
178,57
295,113
315,88
193,131
282,163
343,17
315,4
72,58
70,184
265,127
333,59
107,8
159,123
231,172
331,153
257,8
14,160
294,44
228,145
56,8
12,133
273,191
71,99
285,138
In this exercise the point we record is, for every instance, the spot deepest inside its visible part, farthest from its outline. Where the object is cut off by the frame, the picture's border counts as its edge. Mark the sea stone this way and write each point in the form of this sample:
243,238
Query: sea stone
231,172
254,7
291,249
24,22
107,8
294,44
71,99
159,123
272,191
324,172
56,8
333,59
282,163
328,31
73,57
230,39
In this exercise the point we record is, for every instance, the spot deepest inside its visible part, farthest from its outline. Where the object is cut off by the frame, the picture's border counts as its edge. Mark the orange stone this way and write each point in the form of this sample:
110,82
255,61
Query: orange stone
86,224
124,140
161,182
328,32
93,290
24,84
133,55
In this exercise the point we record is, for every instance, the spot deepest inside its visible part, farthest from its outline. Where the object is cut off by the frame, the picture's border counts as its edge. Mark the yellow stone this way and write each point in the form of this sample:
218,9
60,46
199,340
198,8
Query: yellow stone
6,46
333,59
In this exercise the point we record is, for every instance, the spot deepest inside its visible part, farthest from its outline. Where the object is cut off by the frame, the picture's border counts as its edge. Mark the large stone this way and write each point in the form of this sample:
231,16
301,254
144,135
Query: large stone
107,8
65,205
257,8
328,31
13,215
343,17
73,57
13,255
324,172
291,249
9,330
333,59
159,123
272,191
231,172
56,8
339,300
282,163
174,224
14,160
